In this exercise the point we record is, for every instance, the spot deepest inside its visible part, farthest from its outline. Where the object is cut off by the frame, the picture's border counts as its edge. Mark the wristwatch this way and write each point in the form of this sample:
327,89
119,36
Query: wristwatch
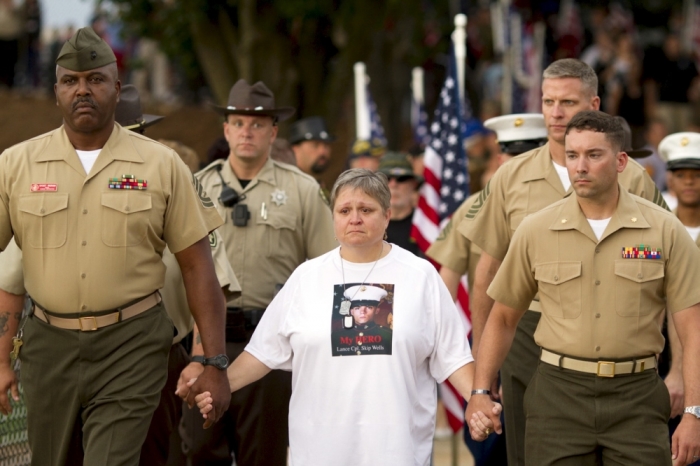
220,361
694,410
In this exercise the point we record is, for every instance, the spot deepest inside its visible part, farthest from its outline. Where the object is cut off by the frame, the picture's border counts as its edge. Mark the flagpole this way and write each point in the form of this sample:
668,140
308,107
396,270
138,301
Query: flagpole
459,39
362,127
417,89
507,84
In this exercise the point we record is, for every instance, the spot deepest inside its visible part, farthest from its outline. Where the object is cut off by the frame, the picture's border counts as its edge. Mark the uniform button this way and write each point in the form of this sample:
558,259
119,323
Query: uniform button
556,278
597,282
85,211
563,220
84,243
597,316
42,210
634,219
83,307
82,275
597,348
597,250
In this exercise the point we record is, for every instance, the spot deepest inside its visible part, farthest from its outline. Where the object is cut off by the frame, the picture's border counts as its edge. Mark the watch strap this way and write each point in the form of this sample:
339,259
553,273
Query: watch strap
200,359
481,391
694,410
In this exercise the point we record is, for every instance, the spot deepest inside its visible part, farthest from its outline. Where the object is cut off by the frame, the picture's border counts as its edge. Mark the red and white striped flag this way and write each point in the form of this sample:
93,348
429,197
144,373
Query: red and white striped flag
446,186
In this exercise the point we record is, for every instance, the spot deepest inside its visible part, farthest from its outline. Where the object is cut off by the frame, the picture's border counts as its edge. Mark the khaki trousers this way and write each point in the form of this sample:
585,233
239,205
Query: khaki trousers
517,371
104,384
579,419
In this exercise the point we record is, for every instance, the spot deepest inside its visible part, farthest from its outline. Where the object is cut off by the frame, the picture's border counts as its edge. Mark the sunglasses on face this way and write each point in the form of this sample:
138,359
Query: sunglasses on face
400,179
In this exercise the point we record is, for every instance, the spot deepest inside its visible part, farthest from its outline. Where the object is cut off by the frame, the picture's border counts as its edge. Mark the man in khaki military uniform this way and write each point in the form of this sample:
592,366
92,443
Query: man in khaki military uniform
523,186
156,447
92,206
276,217
606,265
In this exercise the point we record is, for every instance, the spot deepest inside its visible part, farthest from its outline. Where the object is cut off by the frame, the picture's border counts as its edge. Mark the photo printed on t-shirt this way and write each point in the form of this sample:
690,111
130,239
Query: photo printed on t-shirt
362,322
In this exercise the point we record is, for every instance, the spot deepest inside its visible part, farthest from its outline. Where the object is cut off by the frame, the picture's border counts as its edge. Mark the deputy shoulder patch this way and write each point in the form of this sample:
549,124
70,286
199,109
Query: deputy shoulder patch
476,207
322,193
206,201
213,239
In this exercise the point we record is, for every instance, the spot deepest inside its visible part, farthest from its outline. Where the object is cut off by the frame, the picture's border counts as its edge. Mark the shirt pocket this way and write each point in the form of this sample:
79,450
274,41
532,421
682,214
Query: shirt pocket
638,284
125,217
44,219
280,227
560,288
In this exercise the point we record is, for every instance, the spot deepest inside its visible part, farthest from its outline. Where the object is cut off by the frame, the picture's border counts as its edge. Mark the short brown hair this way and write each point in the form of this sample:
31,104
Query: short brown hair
573,68
374,184
599,122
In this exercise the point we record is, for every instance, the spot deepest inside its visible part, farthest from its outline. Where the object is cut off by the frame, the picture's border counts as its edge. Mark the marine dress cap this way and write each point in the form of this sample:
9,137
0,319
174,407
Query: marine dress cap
365,294
681,150
519,132
85,51
633,153
309,129
128,112
255,100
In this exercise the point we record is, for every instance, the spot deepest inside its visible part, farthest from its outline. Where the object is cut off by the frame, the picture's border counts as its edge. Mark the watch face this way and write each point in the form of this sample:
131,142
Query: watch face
220,361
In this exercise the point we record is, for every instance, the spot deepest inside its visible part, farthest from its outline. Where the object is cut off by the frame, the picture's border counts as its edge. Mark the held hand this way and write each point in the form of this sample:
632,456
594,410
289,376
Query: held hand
685,445
214,381
483,417
192,371
674,383
8,381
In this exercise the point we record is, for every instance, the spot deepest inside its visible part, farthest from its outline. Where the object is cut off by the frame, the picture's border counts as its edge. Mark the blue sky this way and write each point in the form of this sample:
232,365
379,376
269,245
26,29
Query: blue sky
61,13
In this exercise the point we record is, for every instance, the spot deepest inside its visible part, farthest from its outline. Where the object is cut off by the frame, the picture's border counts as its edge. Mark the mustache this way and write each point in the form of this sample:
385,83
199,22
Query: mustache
84,100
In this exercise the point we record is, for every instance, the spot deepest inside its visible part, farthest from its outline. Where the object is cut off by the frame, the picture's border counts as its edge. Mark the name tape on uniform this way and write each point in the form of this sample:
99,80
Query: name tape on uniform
128,182
43,187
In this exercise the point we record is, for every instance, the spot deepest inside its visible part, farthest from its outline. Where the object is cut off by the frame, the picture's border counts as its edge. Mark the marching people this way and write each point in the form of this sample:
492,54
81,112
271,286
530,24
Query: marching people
276,217
80,201
360,398
167,415
607,265
523,186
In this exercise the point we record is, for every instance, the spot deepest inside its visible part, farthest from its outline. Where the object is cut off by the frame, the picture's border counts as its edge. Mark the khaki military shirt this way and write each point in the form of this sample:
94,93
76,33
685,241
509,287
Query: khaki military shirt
523,186
289,223
89,247
11,275
596,303
451,249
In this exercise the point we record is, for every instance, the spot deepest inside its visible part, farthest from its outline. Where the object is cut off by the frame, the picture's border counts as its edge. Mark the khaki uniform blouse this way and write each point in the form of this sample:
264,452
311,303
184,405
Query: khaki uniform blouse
289,223
595,302
451,249
86,245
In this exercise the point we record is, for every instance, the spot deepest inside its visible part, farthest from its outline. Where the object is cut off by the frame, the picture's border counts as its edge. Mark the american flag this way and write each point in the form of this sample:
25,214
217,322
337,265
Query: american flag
419,120
375,122
446,186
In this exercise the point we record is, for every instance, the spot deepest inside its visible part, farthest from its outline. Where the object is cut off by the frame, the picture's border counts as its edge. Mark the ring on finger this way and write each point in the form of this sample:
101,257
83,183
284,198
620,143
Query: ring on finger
488,431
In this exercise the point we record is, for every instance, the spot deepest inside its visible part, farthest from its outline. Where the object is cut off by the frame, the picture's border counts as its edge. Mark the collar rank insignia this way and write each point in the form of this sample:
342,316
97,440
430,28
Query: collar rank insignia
128,182
641,252
279,197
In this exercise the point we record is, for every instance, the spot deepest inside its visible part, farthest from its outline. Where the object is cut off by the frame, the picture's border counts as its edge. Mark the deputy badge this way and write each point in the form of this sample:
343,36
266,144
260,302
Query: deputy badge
279,197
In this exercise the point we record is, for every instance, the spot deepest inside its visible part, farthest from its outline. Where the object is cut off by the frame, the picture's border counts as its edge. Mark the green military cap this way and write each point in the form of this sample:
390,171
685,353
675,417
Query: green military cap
85,51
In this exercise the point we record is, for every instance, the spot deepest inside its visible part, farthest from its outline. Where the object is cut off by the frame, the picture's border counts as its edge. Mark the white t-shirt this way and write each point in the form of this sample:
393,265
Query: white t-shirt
376,407
563,175
599,226
694,232
87,158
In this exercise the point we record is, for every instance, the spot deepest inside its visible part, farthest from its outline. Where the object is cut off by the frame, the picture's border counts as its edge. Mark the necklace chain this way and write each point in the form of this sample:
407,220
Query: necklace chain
342,269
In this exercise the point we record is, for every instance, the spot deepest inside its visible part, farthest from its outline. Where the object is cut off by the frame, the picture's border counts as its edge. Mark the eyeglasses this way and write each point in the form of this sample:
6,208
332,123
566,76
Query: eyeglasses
400,179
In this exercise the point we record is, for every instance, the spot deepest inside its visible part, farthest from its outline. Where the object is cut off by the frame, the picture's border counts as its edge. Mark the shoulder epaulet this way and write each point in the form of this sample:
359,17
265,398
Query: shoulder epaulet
216,164
293,169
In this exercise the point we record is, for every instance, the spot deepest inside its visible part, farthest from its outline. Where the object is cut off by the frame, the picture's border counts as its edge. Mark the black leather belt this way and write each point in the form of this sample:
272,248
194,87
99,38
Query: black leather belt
240,321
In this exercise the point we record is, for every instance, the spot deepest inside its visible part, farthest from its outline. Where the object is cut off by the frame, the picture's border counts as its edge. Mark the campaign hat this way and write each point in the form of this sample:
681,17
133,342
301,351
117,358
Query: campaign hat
255,100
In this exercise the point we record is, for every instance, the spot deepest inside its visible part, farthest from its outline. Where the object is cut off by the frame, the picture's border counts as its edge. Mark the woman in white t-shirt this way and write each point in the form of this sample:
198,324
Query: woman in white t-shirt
366,330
